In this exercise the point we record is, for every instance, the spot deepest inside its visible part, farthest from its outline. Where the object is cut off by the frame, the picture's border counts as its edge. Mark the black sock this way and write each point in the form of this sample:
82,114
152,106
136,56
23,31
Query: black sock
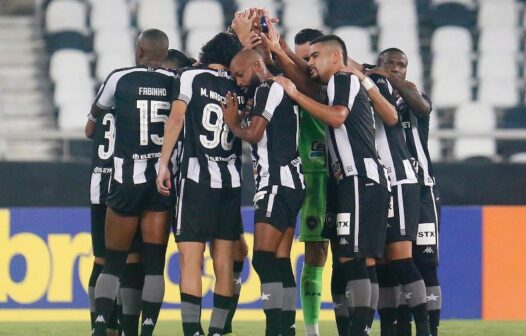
238,268
358,292
106,289
132,281
339,300
191,314
434,294
288,308
154,256
219,314
415,291
388,299
95,272
266,266
373,278
404,320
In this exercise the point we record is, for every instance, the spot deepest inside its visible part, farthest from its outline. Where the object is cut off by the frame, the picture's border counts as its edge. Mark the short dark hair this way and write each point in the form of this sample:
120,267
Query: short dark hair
155,35
307,35
178,58
221,49
333,38
390,50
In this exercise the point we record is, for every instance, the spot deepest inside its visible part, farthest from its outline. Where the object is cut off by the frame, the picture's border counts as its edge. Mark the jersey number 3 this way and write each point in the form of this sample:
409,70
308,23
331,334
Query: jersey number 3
155,106
220,131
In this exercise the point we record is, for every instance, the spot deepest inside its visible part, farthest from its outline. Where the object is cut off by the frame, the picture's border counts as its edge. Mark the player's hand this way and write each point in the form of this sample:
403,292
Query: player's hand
378,71
271,39
411,85
287,84
355,71
230,108
252,41
163,180
242,23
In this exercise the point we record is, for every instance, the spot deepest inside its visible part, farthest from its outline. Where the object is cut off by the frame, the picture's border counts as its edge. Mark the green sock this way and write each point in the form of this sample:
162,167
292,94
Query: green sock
311,284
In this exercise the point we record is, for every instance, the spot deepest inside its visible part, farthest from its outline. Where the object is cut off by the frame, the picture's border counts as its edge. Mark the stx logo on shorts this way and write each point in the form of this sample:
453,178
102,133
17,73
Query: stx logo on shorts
343,224
426,234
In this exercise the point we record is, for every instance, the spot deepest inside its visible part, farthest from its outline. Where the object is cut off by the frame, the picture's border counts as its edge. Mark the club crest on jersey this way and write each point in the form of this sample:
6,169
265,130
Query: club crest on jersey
317,149
312,222
330,219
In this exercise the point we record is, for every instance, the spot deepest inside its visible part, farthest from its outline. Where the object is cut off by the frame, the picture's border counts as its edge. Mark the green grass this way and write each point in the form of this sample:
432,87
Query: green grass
256,328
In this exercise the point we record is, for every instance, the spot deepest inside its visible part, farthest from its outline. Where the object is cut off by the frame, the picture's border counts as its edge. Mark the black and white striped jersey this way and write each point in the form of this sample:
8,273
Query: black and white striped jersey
417,135
390,142
276,157
102,157
210,154
141,98
351,147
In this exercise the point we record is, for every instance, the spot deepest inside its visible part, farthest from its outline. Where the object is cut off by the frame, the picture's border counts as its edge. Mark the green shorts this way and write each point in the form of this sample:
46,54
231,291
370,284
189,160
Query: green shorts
313,209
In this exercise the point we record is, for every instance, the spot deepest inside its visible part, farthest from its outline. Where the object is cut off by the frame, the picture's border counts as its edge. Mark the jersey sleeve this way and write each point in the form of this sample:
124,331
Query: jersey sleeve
267,98
186,86
385,88
342,89
176,87
106,96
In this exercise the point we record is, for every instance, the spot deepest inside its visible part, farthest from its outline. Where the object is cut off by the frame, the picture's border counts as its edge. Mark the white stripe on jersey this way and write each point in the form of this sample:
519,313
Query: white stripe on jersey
343,147
384,151
286,177
117,164
187,78
236,179
193,169
409,172
215,175
263,161
139,170
356,215
421,155
95,188
371,169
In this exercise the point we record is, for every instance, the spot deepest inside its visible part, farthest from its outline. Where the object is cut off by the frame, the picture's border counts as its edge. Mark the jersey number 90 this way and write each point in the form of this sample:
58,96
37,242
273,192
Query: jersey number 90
220,130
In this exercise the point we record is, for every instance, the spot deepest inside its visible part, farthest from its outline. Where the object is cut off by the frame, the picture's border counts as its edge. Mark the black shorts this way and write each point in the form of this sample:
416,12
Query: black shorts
404,211
205,213
426,245
133,199
278,206
98,220
356,217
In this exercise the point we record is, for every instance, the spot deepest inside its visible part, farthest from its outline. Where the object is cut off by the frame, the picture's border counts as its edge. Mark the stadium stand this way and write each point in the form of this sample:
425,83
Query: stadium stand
459,51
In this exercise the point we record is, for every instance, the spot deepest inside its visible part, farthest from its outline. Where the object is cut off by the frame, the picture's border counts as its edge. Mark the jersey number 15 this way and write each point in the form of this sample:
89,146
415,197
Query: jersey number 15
155,106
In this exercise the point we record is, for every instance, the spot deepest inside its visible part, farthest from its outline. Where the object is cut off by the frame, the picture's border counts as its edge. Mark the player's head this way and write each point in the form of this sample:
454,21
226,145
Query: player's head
328,55
176,59
248,69
220,50
393,60
151,48
302,42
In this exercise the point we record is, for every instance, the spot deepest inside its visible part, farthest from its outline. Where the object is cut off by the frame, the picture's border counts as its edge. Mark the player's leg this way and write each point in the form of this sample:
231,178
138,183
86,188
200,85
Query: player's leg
119,232
155,232
239,254
223,270
389,298
406,201
371,272
311,225
130,291
98,216
265,263
426,253
288,307
404,317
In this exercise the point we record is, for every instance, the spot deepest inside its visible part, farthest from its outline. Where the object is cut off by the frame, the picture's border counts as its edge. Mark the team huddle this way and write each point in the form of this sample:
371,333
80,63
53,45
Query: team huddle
340,143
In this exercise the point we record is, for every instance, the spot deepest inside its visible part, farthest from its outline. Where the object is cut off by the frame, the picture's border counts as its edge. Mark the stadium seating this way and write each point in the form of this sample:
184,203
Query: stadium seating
459,51
475,119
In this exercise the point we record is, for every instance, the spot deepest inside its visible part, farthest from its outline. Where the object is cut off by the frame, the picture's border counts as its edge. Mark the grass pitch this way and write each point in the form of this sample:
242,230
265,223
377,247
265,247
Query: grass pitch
256,328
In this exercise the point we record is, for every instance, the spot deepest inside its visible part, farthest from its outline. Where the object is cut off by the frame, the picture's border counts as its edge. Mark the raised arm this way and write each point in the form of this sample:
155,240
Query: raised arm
412,97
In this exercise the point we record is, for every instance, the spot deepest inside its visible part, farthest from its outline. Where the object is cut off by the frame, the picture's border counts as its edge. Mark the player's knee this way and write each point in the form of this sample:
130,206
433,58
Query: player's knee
262,260
316,253
242,250
154,256
429,274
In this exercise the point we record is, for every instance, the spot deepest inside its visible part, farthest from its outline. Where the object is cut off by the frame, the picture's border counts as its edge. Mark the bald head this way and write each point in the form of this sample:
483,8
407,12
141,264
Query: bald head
152,48
249,69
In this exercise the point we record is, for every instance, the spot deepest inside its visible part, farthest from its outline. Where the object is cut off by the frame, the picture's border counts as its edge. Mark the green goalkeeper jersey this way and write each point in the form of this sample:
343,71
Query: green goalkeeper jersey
312,144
